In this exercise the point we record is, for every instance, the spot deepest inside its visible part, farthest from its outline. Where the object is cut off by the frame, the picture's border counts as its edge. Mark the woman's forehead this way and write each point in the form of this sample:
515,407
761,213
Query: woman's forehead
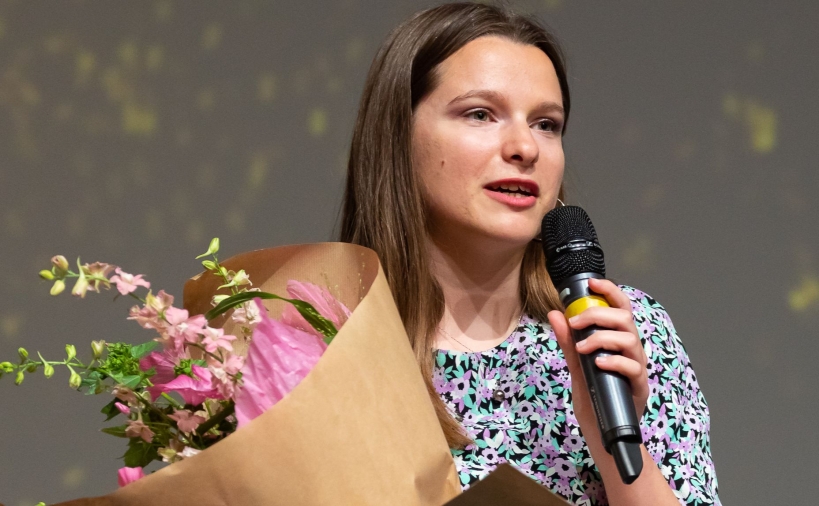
499,65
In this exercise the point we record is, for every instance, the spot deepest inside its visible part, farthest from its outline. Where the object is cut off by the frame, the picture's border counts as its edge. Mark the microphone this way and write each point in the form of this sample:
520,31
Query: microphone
573,255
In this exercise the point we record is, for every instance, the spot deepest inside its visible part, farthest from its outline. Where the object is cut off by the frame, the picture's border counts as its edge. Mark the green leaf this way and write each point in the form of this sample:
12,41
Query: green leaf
92,382
144,349
117,431
318,322
139,453
131,381
110,410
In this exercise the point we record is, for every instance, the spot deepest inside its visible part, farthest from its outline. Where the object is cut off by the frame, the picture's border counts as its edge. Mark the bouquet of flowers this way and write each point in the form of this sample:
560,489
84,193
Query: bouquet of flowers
352,422
187,389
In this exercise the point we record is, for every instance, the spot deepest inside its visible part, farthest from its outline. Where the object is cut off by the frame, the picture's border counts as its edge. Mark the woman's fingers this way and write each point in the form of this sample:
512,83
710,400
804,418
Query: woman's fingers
611,292
606,317
634,371
621,342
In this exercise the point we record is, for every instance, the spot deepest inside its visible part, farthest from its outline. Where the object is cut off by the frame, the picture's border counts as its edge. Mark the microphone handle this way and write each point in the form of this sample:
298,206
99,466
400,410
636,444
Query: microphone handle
610,392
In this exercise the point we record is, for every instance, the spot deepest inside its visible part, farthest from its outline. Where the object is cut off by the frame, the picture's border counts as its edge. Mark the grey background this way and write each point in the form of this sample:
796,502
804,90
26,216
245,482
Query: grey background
133,132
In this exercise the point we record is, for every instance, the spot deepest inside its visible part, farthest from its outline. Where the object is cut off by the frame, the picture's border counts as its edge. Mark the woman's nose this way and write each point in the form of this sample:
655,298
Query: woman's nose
520,146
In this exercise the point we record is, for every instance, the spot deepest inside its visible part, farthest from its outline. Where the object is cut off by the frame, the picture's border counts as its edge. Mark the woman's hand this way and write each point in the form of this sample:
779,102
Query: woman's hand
621,337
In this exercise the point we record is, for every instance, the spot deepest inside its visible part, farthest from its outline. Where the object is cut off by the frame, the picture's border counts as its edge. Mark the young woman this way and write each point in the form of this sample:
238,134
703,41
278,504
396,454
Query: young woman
456,157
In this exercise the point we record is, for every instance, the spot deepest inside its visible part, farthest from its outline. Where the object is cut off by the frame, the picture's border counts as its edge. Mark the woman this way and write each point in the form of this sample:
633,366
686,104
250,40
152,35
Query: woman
456,157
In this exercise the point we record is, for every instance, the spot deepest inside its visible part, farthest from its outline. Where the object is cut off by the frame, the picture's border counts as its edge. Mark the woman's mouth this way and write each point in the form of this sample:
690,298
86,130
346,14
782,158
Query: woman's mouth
516,194
511,189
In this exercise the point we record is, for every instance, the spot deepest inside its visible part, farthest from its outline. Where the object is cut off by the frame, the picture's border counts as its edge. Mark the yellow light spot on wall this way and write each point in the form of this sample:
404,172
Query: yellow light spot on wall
84,64
266,88
761,122
212,36
164,11
128,54
154,58
639,255
334,84
552,4
195,233
74,476
206,100
805,296
138,120
235,220
354,50
154,224
10,325
317,122
257,171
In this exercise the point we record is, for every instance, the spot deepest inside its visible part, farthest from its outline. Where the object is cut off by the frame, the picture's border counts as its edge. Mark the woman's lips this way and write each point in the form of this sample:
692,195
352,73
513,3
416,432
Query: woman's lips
514,200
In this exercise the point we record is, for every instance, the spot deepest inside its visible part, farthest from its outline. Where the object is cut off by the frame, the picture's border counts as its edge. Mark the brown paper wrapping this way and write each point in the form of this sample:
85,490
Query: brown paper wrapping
358,430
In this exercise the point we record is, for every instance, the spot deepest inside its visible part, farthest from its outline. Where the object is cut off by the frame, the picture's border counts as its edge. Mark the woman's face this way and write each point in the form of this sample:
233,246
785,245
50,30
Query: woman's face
487,143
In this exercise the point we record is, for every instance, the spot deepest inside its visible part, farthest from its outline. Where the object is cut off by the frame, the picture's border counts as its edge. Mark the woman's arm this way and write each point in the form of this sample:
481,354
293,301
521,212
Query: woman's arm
651,488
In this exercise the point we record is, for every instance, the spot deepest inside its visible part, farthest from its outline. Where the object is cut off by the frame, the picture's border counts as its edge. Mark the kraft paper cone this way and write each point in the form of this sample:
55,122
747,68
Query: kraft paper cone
358,430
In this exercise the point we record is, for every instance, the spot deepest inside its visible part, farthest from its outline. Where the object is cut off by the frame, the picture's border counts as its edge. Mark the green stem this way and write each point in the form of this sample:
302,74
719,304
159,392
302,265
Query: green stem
173,401
216,420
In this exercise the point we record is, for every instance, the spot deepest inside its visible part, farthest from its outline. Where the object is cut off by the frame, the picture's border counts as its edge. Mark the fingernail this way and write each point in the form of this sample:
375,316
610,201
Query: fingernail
601,360
573,320
580,345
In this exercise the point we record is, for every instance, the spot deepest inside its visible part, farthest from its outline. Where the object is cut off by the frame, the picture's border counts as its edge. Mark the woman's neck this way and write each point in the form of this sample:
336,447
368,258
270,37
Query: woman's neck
481,287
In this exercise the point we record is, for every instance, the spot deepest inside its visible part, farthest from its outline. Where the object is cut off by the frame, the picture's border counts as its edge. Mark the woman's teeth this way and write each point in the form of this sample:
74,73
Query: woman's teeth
512,189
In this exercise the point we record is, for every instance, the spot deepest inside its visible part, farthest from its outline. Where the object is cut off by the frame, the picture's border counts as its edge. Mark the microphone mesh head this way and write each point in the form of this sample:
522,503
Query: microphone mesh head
570,244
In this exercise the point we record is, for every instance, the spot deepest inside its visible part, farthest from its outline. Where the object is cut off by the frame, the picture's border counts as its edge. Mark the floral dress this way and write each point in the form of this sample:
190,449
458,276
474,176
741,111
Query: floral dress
515,402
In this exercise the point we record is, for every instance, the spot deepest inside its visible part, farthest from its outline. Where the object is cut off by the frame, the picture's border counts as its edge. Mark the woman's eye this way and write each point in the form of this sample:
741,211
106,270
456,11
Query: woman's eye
546,125
478,115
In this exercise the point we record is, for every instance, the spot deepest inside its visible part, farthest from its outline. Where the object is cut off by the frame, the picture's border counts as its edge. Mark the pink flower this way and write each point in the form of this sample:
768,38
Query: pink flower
182,329
193,391
125,394
127,283
247,314
150,315
278,358
126,475
215,338
98,270
125,410
321,299
186,421
138,429
160,363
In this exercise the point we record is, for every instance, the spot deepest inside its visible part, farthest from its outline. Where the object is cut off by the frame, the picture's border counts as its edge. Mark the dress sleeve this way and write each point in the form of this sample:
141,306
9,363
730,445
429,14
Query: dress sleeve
676,423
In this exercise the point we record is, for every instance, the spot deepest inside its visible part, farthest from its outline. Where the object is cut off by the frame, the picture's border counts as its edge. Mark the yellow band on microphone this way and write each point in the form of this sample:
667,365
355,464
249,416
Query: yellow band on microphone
584,303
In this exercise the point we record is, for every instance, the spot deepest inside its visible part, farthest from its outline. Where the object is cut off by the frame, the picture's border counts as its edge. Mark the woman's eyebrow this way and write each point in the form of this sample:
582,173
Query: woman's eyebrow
494,96
490,95
550,107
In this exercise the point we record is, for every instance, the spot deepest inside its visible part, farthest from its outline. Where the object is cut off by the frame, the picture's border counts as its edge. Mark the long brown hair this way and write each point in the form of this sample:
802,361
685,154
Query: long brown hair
383,208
